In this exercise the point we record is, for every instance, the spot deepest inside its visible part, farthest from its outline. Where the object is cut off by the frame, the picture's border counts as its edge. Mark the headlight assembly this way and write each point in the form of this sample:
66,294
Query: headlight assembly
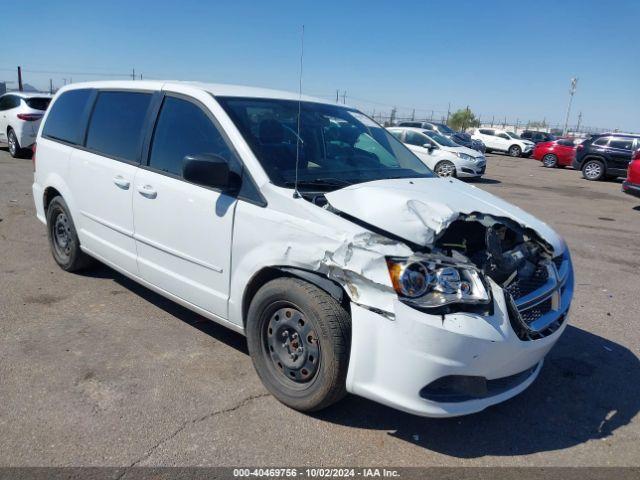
432,283
464,156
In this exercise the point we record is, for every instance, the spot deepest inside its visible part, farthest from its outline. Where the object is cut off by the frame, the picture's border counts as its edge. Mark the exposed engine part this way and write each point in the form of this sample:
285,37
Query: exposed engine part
499,247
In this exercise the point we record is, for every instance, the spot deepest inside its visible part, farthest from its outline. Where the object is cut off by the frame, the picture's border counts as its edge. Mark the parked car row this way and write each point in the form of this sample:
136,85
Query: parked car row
461,138
20,116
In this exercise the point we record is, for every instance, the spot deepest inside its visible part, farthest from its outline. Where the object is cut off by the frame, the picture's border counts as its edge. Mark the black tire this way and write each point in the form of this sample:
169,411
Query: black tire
514,151
288,314
14,145
550,160
445,168
593,170
63,239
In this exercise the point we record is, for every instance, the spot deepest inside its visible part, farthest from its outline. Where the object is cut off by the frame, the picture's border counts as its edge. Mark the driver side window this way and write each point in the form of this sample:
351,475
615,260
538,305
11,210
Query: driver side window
184,129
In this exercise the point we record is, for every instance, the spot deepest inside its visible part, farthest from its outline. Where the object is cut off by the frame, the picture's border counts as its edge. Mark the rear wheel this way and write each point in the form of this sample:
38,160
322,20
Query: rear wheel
445,168
299,338
63,238
14,145
550,160
514,151
593,170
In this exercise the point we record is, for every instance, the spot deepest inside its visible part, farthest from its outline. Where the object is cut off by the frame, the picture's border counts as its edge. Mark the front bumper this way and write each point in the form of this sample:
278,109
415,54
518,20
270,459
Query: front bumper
631,188
393,360
468,169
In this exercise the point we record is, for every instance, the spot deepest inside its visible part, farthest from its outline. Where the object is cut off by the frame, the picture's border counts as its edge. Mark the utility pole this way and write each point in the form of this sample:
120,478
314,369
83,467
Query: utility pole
19,78
579,121
338,96
572,91
51,86
448,113
413,114
133,74
344,97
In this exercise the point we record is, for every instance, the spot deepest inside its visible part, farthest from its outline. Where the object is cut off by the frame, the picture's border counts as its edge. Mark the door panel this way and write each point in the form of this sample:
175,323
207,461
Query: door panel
183,231
102,188
183,238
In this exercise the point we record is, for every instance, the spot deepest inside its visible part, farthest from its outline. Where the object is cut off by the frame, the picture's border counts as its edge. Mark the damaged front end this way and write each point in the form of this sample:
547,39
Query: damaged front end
451,277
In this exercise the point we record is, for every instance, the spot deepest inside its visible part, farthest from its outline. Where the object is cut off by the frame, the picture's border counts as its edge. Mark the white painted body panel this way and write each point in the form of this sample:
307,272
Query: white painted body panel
201,248
103,190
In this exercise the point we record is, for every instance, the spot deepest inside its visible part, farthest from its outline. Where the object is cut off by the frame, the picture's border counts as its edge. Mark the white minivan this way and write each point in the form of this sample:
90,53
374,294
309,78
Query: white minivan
307,227
445,157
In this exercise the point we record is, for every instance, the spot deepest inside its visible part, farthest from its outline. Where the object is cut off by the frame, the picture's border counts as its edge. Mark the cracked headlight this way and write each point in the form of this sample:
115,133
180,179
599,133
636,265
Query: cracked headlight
435,283
464,156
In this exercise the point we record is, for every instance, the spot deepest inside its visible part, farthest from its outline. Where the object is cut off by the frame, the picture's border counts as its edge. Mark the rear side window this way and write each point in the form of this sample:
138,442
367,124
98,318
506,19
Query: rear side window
601,141
486,132
418,139
115,129
8,102
184,129
38,103
621,143
65,120
566,142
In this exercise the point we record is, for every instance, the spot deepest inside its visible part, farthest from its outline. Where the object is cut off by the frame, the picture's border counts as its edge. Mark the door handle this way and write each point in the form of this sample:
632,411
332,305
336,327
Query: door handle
121,182
147,191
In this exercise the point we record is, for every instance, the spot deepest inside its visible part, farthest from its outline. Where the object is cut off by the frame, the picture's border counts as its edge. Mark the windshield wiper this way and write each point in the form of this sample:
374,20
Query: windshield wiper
320,182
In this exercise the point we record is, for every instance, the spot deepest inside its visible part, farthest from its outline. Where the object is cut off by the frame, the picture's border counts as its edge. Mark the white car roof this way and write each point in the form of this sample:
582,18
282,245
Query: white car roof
216,89
28,94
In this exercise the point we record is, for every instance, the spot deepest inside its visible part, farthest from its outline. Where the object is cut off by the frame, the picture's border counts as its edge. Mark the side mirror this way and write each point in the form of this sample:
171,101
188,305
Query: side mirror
429,147
209,171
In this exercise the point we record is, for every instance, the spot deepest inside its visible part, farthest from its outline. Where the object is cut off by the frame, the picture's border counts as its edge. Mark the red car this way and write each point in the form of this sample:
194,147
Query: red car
558,153
631,185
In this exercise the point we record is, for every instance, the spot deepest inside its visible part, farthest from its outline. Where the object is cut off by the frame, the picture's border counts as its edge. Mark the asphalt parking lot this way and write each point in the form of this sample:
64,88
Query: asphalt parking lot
96,370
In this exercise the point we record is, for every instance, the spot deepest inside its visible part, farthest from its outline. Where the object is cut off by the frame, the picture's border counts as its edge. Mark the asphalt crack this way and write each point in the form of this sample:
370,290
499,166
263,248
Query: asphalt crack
188,423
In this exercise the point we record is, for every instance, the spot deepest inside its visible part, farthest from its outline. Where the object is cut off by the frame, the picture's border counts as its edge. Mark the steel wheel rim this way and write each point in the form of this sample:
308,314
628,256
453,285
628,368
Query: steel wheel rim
12,143
292,345
548,160
445,170
592,170
62,238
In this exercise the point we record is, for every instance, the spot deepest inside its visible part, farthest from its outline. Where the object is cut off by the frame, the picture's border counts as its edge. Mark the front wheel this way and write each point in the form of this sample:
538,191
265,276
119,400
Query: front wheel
550,160
515,151
445,168
299,339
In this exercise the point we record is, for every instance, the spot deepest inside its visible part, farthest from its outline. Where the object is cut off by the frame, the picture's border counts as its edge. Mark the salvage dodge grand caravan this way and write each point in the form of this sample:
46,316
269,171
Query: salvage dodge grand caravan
348,265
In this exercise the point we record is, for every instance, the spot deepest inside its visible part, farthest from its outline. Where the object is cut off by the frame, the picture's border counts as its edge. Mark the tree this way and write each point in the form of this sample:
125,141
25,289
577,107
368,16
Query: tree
463,119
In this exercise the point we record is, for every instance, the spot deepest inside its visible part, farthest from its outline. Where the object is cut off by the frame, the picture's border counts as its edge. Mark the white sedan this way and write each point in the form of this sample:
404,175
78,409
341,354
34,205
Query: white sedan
443,156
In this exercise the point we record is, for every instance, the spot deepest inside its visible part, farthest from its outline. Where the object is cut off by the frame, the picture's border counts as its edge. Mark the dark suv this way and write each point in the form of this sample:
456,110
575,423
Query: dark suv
537,137
461,138
605,155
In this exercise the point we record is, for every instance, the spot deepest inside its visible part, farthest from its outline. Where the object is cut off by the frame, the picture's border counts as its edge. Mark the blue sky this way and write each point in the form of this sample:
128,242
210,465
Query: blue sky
512,59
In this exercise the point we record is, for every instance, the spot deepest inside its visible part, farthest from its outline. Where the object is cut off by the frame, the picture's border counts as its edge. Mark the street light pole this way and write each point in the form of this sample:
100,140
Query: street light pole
572,90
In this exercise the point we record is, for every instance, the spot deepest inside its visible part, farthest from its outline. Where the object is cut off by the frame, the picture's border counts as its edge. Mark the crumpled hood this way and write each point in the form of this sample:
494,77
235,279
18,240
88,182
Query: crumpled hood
418,209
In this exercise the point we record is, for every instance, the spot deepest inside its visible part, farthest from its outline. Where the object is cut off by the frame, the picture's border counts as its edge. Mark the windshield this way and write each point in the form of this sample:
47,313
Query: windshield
444,128
513,135
337,146
440,140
